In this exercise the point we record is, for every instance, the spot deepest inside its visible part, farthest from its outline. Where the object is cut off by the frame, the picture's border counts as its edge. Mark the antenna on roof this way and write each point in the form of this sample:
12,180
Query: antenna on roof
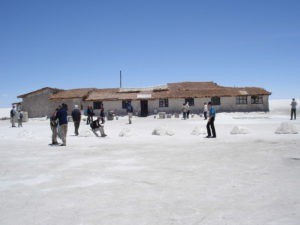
120,78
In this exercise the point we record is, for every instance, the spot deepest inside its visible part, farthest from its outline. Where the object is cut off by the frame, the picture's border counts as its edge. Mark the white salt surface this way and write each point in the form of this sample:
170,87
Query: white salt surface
147,179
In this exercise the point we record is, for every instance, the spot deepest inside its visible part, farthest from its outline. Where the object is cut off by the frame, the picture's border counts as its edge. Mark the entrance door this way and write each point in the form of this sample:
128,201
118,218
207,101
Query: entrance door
144,107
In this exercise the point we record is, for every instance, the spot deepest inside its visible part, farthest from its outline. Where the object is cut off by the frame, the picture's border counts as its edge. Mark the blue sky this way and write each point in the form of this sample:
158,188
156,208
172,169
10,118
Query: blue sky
74,44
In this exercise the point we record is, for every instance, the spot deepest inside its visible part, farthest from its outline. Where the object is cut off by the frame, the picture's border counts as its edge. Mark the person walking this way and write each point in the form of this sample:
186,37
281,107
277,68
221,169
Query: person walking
76,116
96,126
62,116
293,109
210,123
129,112
205,109
13,116
53,126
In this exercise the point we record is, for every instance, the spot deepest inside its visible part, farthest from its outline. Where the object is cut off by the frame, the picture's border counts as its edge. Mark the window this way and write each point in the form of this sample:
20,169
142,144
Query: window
190,101
163,102
241,100
97,105
256,99
125,103
215,101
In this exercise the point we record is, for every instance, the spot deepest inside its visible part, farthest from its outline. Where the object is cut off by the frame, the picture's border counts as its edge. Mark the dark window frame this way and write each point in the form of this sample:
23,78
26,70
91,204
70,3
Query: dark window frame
257,99
241,100
125,103
163,103
191,101
97,105
215,100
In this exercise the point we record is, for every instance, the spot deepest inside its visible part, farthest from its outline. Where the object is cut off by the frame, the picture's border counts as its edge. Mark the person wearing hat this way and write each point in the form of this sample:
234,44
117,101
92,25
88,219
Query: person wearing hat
76,115
210,123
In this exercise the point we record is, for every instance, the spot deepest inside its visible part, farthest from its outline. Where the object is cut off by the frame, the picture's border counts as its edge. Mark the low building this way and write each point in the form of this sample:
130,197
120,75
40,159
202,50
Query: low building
167,98
37,103
171,97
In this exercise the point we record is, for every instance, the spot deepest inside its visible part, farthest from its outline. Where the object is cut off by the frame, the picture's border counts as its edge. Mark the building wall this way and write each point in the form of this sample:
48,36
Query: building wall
38,104
228,104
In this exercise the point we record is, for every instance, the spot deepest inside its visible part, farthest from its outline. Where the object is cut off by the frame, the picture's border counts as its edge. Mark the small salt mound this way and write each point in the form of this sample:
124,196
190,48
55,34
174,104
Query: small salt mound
286,128
87,133
239,130
125,133
198,131
26,134
161,131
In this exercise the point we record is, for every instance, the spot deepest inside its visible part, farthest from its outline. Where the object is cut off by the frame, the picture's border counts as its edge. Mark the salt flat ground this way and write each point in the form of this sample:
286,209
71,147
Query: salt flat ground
144,179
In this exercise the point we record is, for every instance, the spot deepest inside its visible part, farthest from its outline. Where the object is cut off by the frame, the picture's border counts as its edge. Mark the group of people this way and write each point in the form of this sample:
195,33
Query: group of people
59,119
59,123
16,115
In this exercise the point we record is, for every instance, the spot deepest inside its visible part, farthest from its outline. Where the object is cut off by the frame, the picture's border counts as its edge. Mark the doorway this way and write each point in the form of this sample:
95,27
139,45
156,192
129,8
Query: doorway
144,108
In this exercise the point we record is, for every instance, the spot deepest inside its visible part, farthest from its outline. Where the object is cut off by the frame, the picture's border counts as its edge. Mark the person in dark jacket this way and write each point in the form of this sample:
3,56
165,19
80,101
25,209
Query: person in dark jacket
129,112
76,116
62,116
102,115
90,114
211,120
95,125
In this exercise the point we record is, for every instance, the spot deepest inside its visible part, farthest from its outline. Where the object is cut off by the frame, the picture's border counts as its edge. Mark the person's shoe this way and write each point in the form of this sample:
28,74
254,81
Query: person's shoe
103,135
62,145
208,136
54,143
213,136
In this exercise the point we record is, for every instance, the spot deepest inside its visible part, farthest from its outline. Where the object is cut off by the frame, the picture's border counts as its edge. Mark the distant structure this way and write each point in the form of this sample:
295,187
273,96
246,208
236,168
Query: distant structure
166,98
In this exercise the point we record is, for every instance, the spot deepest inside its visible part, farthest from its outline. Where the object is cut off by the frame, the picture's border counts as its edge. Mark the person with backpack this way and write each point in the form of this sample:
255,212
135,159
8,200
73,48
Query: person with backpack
13,116
76,116
96,126
53,126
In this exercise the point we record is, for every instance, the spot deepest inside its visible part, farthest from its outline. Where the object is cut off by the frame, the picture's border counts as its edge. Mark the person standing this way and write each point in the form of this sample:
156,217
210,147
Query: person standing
53,126
102,115
76,116
293,109
62,116
210,123
13,116
184,111
188,110
20,118
129,112
205,109
90,114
